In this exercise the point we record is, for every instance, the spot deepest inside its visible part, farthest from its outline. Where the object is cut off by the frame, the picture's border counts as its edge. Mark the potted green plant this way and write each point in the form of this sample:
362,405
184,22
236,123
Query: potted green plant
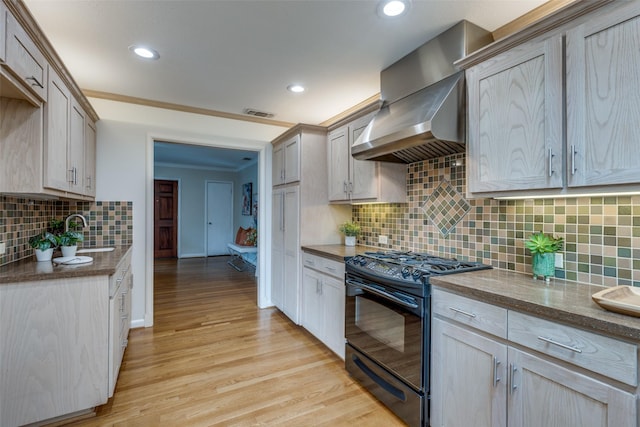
69,242
543,249
351,230
44,243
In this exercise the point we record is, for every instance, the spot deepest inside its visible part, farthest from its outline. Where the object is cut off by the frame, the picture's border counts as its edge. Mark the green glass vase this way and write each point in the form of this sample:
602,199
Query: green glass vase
544,265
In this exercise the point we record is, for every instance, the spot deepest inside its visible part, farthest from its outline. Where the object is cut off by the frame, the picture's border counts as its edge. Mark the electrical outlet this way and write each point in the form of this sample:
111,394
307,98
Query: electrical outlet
383,240
559,261
3,248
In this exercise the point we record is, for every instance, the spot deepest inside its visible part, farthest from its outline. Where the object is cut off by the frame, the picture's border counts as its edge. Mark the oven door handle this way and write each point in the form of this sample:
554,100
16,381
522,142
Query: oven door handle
382,294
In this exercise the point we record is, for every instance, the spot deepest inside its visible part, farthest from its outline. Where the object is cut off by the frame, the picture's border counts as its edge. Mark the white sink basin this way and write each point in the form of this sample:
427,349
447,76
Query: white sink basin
88,250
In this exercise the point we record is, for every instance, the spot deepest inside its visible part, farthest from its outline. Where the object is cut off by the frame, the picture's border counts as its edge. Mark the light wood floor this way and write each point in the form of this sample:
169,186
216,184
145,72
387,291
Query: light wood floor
214,359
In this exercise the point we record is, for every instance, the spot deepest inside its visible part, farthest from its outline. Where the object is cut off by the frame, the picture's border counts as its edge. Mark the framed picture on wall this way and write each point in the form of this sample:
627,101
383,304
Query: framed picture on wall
247,190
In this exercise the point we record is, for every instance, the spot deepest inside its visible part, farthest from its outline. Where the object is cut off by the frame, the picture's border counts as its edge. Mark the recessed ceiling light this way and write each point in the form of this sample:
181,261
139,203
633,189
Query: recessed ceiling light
392,8
144,52
295,88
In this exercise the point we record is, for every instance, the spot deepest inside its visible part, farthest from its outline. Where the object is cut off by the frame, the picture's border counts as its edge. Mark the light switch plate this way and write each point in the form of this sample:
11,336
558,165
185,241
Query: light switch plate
383,240
3,248
559,261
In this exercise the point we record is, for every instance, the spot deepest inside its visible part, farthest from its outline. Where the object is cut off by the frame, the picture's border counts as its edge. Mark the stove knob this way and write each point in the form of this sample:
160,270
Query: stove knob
406,272
363,261
417,275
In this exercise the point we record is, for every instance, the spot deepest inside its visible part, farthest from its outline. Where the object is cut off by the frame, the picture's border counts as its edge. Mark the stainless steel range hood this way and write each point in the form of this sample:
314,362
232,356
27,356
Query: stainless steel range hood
423,112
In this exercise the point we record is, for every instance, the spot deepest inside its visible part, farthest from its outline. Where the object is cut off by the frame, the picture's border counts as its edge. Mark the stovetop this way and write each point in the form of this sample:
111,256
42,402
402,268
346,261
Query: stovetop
406,268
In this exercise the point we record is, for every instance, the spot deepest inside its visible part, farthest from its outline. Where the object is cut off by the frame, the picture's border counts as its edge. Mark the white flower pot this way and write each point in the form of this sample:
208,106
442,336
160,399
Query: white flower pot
69,250
349,240
45,255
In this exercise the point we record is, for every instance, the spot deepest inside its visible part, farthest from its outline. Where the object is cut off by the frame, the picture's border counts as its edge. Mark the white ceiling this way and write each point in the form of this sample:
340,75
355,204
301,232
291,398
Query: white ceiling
228,55
202,157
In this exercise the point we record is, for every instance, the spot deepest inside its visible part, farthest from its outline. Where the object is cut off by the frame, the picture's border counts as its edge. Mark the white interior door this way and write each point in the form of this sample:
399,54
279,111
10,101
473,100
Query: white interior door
219,217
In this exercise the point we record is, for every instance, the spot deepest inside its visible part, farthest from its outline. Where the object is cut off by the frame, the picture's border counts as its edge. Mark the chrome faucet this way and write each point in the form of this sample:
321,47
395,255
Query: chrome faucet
68,220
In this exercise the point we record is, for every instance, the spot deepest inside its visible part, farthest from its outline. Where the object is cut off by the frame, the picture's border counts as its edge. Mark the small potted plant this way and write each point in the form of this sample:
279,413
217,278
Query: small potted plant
69,242
543,249
351,230
44,243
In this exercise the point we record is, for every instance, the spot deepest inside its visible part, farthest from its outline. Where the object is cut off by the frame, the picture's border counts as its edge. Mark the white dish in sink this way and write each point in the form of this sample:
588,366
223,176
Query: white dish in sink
72,260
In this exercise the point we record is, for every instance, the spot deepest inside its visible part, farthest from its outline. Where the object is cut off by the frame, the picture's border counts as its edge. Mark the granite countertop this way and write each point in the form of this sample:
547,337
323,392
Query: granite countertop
26,270
338,252
559,300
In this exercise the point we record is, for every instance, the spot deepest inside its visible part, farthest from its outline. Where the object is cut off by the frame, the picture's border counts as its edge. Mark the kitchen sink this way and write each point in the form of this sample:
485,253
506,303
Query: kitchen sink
102,249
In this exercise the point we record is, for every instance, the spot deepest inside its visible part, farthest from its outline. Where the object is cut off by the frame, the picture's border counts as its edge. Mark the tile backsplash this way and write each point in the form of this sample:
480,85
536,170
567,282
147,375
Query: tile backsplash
602,234
109,223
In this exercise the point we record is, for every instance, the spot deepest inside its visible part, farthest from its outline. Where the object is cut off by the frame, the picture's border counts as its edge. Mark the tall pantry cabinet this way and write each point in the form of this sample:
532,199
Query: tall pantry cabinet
301,214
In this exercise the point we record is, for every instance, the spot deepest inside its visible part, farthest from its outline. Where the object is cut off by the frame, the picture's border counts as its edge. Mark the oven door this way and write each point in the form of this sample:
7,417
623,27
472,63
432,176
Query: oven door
387,326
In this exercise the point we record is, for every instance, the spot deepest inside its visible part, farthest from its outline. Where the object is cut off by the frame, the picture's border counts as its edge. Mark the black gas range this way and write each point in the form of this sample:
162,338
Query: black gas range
387,310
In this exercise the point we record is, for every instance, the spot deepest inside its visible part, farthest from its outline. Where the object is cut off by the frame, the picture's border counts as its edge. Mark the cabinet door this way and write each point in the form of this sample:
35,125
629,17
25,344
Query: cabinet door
339,158
546,395
24,59
57,134
468,378
515,119
333,308
291,279
292,160
603,99
277,165
76,149
312,303
364,173
90,158
277,249
3,31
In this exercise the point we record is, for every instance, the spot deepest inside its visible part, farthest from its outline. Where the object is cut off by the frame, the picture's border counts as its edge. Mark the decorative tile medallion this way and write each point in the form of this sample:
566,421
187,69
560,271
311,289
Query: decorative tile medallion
445,207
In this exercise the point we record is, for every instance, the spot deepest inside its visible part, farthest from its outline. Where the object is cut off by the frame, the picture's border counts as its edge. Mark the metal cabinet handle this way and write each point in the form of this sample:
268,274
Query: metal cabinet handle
559,344
496,379
35,82
331,269
125,342
344,187
466,313
573,159
551,156
512,377
89,182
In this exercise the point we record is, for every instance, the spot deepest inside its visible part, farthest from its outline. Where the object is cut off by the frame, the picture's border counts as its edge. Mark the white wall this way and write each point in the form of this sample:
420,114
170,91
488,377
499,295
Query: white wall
192,189
248,174
125,172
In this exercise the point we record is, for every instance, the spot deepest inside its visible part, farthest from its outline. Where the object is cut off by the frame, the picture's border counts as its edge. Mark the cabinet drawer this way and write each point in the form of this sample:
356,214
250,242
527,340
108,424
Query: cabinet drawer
323,265
607,356
24,59
479,315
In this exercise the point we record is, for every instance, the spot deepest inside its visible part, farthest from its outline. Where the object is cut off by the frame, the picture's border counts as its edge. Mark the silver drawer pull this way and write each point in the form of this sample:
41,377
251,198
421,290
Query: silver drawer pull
466,313
332,269
559,344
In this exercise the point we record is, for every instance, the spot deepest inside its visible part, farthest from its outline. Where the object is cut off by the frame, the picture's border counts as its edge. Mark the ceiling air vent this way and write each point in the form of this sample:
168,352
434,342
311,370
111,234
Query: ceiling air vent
258,113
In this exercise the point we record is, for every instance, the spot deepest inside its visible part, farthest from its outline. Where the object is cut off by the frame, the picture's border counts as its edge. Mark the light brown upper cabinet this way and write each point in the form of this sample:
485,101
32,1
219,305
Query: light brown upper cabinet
64,142
25,63
587,69
3,31
286,161
603,99
90,158
47,126
352,180
515,119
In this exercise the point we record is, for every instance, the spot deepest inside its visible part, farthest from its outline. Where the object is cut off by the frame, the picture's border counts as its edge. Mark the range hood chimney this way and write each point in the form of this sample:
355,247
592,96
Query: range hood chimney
423,112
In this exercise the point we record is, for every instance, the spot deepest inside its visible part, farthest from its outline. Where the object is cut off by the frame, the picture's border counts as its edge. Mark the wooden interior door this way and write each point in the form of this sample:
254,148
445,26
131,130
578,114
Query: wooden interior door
165,224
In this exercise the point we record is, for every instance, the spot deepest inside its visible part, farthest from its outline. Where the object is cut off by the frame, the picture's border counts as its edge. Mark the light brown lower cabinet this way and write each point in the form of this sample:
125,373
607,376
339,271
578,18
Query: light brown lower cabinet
481,379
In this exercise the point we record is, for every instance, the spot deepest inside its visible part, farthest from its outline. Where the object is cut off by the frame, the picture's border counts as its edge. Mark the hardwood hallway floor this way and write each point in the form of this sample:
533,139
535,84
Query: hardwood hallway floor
213,358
